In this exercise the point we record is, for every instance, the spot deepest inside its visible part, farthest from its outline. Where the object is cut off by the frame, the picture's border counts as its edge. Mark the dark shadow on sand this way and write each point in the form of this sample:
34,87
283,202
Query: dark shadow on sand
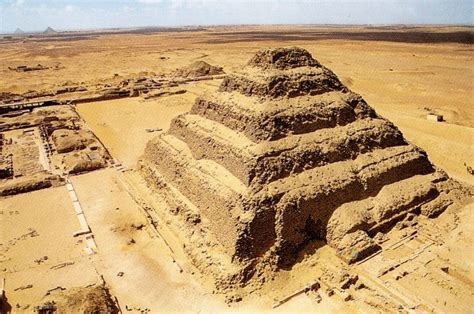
418,36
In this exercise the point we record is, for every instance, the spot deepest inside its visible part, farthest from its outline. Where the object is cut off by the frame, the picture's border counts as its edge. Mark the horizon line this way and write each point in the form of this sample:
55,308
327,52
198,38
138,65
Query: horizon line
71,30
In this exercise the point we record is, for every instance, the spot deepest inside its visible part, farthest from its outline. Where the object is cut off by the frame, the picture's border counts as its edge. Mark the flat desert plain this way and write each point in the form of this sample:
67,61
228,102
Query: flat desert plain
404,73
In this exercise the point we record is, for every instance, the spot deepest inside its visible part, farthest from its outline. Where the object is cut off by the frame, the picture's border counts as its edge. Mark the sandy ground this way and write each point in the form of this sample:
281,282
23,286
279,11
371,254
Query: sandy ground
449,146
126,142
398,79
38,226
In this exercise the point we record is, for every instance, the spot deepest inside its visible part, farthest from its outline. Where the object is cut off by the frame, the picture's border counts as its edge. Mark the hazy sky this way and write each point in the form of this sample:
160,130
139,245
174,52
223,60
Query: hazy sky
35,15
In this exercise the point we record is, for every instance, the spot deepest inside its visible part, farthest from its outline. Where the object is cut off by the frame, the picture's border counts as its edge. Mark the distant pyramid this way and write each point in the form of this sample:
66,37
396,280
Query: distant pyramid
19,31
49,30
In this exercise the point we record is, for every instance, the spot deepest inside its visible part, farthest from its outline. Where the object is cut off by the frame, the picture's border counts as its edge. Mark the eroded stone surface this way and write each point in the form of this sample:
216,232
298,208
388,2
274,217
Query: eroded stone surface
283,59
280,156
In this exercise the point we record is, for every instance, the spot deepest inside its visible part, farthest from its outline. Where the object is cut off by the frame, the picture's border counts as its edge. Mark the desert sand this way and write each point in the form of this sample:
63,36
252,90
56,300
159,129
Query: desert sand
135,256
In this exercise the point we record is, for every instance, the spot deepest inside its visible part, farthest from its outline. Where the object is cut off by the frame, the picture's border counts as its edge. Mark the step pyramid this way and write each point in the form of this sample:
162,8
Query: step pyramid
283,154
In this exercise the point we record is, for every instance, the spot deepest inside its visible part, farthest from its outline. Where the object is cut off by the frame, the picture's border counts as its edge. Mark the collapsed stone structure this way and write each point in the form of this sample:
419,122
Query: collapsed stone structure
39,148
199,69
281,155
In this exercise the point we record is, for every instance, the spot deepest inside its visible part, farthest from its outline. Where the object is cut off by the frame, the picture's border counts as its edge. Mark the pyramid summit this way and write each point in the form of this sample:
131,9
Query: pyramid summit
283,58
19,31
282,155
281,72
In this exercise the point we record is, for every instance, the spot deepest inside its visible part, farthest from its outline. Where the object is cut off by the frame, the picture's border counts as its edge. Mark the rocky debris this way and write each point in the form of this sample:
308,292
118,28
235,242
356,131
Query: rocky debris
6,97
80,163
337,278
81,152
380,238
346,296
62,265
66,140
280,156
46,308
29,286
410,221
113,93
469,169
52,118
26,68
348,280
37,94
91,299
128,228
435,208
137,309
41,260
356,246
309,288
199,69
129,87
401,274
229,299
23,185
165,92
70,89
151,130
6,161
146,84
